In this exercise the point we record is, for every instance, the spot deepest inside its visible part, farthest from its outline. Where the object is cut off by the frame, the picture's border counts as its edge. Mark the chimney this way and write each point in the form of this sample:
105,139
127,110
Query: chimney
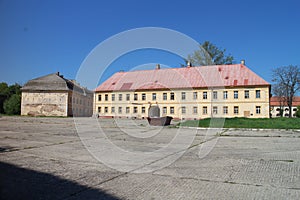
189,64
243,62
157,66
57,73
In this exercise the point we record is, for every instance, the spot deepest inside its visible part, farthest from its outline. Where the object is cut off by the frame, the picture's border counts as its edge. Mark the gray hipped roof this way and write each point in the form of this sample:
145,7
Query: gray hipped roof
53,82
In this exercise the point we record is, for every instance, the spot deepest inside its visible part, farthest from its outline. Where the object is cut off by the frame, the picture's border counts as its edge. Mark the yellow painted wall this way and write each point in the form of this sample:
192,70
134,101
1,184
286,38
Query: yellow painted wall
245,105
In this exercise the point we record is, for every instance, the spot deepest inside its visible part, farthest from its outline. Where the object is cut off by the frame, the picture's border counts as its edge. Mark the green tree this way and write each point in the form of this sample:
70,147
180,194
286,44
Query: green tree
209,54
3,95
12,106
288,77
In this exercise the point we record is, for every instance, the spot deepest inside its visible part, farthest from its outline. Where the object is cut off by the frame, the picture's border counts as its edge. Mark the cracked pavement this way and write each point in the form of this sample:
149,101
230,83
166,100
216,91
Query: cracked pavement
43,158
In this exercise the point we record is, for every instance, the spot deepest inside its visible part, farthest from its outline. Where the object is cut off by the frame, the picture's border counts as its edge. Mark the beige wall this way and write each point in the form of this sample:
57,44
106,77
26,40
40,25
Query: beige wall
42,103
194,108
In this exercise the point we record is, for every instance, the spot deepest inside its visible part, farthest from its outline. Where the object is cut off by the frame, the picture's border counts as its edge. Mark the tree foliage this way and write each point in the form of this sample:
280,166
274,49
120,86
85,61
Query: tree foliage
209,54
6,92
298,112
12,106
288,78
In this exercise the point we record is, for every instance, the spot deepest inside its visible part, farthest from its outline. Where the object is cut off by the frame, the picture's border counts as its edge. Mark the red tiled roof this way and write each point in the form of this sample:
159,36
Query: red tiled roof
276,101
187,77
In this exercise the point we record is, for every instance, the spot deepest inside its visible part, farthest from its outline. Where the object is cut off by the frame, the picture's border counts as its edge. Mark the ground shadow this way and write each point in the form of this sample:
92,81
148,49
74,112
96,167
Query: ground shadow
21,183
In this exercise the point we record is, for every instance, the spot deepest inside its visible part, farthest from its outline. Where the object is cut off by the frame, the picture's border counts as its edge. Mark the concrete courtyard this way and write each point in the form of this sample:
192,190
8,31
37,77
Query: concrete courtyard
44,158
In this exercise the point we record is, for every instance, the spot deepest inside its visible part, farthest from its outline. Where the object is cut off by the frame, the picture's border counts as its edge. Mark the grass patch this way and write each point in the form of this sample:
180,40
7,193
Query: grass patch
264,123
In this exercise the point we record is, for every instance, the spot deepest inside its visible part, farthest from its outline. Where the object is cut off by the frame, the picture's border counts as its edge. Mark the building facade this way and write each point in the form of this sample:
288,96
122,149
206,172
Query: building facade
279,104
185,93
53,95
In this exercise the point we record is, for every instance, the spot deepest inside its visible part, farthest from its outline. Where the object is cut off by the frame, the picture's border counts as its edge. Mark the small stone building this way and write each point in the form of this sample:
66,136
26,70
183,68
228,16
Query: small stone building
279,104
54,95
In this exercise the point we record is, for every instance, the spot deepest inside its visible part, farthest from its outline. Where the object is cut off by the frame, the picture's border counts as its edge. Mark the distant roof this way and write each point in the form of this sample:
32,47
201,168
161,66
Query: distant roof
187,77
276,101
53,82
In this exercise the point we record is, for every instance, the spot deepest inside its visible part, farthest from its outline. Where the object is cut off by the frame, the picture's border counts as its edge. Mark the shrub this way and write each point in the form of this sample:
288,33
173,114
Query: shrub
12,106
298,112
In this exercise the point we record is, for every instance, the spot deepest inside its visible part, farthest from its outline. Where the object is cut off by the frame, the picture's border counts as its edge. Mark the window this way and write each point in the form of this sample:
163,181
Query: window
247,94
172,96
113,97
135,109
164,96
99,109
195,95
106,109
257,109
120,109
172,110
236,94
112,109
183,95
120,97
99,97
127,109
204,95
143,96
215,110
143,110
127,97
164,110
153,96
225,110
225,95
106,97
195,109
183,110
215,95
236,110
257,94
135,97
204,110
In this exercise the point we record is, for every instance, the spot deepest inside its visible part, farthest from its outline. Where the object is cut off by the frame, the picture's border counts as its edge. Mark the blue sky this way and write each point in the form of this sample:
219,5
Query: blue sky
42,37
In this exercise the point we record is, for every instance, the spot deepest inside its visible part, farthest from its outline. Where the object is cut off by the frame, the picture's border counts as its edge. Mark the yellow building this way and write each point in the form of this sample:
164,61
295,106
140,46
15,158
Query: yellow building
185,93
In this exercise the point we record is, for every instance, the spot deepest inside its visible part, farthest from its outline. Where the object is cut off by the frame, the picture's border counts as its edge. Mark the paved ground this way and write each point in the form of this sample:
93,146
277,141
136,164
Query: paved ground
43,158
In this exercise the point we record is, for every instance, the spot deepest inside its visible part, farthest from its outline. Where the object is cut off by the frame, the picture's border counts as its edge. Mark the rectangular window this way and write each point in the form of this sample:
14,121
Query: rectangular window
99,109
195,95
172,110
143,110
225,110
204,95
99,97
257,94
183,95
247,96
153,96
135,109
257,109
183,110
127,97
106,109
204,110
235,94
164,110
172,96
127,109
135,97
112,109
120,109
120,97
215,110
215,95
113,97
225,95
143,96
164,96
106,97
236,110
195,110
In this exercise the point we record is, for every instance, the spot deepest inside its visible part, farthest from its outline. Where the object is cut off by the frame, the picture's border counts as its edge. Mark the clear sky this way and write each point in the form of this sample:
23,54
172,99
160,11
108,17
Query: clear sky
39,37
